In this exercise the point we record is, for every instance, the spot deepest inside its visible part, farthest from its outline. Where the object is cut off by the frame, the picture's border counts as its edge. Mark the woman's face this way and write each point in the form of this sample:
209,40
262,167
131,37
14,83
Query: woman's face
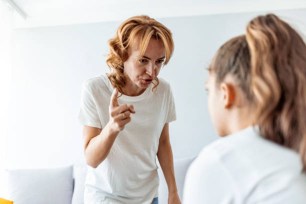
139,70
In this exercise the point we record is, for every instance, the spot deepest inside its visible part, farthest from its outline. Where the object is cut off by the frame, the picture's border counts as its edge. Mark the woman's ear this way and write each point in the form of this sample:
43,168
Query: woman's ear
228,94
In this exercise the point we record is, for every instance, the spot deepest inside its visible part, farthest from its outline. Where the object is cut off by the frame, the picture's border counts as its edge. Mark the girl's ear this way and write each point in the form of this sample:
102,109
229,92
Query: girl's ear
229,95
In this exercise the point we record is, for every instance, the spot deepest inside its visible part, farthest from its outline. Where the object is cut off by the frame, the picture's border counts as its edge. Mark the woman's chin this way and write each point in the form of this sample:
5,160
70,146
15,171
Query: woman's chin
144,85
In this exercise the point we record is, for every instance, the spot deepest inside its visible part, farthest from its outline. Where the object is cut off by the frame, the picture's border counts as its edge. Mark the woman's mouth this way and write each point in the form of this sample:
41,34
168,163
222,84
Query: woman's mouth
147,81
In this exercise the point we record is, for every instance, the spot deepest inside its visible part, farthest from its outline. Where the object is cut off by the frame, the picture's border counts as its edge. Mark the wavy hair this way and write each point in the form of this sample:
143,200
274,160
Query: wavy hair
140,30
269,63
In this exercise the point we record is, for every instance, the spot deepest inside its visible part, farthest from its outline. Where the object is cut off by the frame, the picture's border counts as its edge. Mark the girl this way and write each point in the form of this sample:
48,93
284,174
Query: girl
257,102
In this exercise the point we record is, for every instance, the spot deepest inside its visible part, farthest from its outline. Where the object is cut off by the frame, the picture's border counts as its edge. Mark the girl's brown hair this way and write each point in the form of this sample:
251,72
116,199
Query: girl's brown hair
269,63
137,30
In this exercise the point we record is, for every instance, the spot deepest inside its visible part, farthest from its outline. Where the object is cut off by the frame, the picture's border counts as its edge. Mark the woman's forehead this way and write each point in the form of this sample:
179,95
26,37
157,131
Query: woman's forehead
137,49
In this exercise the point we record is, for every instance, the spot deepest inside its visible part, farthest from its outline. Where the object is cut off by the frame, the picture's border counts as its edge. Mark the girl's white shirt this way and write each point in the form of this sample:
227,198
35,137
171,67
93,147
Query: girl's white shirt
245,168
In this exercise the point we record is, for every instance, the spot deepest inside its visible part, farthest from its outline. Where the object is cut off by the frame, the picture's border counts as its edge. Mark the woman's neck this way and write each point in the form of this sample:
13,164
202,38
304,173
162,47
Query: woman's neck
132,90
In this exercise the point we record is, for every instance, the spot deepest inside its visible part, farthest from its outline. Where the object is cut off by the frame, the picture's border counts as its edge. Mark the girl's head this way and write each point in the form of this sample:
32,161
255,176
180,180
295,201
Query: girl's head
260,79
136,34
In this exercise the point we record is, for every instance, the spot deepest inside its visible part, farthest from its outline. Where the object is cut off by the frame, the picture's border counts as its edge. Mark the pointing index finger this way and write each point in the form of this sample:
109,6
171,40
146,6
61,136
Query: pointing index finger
114,98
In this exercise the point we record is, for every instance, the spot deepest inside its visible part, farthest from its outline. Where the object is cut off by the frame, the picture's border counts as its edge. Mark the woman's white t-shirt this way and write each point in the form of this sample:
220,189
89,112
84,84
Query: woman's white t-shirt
245,168
129,172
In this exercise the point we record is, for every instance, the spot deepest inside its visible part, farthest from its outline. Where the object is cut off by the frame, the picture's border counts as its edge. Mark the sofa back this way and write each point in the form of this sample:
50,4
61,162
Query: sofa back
40,186
66,185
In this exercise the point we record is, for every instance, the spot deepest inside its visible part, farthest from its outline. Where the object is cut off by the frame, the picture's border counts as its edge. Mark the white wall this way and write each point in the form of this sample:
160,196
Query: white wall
50,64
6,23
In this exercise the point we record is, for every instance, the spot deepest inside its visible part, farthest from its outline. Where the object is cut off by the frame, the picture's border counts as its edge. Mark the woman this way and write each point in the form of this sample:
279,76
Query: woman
257,102
126,116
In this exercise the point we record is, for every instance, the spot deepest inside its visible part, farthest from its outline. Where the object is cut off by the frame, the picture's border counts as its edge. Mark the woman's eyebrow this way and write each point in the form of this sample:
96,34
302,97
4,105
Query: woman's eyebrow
150,58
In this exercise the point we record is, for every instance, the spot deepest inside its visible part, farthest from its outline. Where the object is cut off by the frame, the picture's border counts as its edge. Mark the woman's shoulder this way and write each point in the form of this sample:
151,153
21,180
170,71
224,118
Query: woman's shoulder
163,84
163,81
95,83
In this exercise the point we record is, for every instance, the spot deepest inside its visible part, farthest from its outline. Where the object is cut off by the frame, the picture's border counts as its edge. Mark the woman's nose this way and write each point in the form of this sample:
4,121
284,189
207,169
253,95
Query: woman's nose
151,70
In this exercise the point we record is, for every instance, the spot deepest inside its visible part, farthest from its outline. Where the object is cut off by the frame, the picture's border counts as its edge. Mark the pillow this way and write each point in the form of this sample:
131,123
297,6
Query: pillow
41,186
79,174
3,201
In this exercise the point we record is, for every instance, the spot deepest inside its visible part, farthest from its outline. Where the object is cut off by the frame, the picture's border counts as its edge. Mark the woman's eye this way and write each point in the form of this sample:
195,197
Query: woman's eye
160,61
143,61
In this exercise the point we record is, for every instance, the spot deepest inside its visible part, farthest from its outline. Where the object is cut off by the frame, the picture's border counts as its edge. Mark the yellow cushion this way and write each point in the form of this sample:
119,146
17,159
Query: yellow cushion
3,201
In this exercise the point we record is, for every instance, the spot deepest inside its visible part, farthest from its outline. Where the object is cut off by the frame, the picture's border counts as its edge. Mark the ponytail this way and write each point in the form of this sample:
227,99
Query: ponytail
278,81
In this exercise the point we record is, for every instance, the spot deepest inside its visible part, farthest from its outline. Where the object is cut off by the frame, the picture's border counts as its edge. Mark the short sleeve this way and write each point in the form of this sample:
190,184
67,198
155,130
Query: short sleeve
208,182
88,114
171,115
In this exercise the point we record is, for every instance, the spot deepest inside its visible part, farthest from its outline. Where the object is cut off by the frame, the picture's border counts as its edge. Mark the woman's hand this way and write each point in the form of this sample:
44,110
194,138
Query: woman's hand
174,198
119,115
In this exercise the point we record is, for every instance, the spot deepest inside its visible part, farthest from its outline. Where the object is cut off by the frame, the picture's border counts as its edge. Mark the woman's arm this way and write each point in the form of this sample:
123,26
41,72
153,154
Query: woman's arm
165,158
97,142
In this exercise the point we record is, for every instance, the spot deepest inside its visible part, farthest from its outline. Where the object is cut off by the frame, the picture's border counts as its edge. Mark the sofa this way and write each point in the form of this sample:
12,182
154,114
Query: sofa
65,185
